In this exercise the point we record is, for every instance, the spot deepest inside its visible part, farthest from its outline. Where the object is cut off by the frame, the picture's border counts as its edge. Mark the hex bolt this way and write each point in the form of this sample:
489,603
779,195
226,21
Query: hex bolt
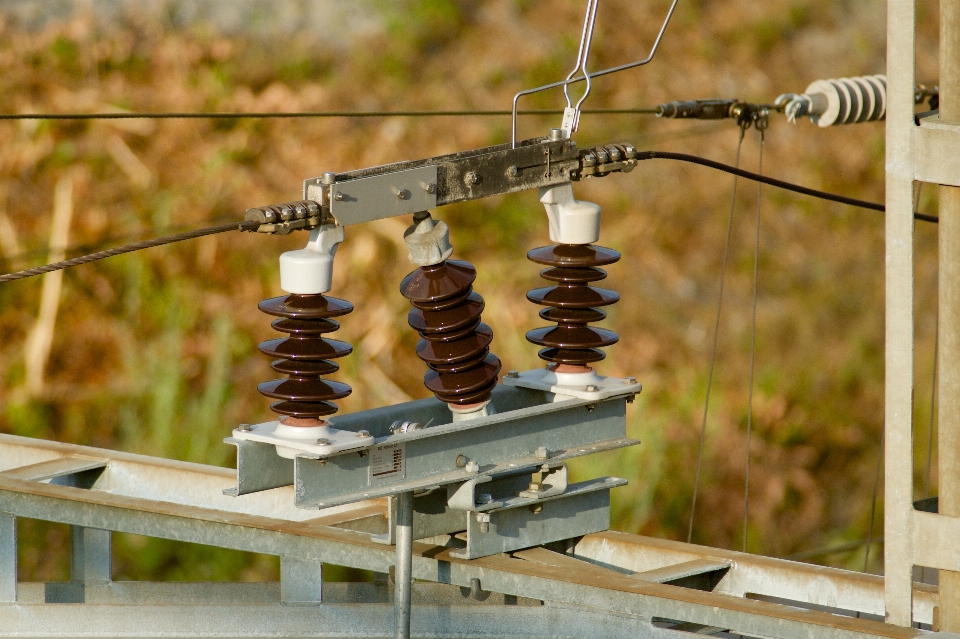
535,486
328,177
513,374
592,389
542,453
591,407
471,178
363,433
484,498
323,441
402,194
245,428
461,461
430,188
630,380
472,467
338,196
484,521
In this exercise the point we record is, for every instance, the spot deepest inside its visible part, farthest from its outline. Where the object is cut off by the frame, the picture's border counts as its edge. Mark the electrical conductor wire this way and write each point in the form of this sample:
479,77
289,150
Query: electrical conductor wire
713,353
129,248
753,352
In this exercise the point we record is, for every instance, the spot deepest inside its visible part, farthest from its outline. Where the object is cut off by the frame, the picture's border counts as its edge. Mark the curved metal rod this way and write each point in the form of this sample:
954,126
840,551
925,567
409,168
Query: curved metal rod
622,67
583,54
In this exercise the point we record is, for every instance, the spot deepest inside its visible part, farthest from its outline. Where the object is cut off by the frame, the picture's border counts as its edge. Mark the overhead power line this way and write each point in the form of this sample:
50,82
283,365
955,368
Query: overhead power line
199,115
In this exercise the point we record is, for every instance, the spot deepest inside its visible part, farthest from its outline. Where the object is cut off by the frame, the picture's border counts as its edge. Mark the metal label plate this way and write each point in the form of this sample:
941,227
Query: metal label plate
379,196
386,463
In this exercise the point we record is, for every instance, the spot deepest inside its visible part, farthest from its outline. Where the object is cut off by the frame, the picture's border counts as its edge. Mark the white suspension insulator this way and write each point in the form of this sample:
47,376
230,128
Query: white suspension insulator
839,101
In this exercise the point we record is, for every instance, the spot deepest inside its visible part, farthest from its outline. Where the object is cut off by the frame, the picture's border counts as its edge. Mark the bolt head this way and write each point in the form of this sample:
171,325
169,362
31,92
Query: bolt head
363,433
461,461
472,178
592,389
402,194
535,487
513,374
629,380
542,453
323,441
513,171
430,188
338,196
472,467
245,427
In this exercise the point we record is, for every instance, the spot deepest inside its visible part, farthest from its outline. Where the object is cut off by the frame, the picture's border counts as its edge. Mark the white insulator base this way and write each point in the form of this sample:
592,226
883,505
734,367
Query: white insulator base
571,221
291,441
565,386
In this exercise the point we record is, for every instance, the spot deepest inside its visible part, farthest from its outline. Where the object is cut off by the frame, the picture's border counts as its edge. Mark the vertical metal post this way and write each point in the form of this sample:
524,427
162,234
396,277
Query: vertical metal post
949,305
90,555
898,404
403,576
301,581
8,559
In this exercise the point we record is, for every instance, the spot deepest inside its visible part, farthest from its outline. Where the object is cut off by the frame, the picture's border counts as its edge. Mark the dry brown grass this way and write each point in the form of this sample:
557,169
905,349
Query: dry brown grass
156,352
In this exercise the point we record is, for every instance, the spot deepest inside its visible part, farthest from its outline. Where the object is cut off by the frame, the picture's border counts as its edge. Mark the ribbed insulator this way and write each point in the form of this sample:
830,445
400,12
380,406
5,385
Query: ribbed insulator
455,344
572,303
305,355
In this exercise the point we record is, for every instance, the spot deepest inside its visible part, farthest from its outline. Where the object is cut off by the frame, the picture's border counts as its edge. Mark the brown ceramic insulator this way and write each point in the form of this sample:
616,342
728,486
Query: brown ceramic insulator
455,344
304,355
572,303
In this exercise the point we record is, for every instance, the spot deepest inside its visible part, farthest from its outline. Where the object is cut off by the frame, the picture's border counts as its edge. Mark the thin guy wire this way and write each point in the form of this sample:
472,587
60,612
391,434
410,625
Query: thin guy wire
933,408
873,504
753,351
180,115
713,353
129,248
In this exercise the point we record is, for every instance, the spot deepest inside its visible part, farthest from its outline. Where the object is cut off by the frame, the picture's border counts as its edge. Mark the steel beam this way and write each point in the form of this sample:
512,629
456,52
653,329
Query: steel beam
301,581
8,558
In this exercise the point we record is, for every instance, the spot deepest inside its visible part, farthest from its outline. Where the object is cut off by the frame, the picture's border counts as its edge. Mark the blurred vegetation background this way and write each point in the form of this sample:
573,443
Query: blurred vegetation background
155,352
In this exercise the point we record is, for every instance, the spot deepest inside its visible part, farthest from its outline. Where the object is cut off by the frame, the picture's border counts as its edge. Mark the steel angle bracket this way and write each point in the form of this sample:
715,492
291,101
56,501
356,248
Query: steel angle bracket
527,433
524,522
406,187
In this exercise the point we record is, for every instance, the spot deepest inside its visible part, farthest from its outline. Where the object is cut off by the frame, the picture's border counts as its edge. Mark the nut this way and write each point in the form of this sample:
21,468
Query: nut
591,388
363,433
484,498
542,453
472,467
629,380
535,486
245,427
484,520
323,441
513,374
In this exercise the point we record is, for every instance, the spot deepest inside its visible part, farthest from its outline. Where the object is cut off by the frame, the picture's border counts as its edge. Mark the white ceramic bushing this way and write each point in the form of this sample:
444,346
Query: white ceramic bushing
309,271
571,221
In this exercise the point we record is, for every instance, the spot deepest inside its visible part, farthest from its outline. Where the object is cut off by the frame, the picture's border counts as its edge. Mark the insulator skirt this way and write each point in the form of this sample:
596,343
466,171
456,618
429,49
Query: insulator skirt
455,344
304,355
572,303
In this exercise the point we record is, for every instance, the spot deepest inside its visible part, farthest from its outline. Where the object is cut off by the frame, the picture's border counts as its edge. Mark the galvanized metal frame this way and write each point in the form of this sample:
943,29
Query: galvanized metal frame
624,579
928,152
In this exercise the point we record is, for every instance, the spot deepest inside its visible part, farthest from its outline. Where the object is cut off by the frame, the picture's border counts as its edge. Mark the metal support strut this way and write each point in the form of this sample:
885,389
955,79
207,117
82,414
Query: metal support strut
402,576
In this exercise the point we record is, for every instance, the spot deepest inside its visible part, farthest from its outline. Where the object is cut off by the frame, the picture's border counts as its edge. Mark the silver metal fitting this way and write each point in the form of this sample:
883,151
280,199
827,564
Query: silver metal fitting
472,467
513,374
323,441
328,177
363,433
592,389
484,520
245,427
484,498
